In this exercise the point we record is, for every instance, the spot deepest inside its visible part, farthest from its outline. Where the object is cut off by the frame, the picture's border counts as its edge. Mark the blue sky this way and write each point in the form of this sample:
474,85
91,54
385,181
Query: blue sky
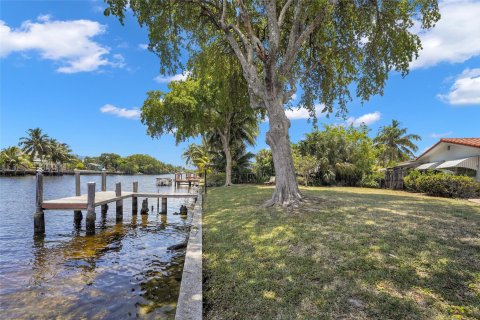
81,77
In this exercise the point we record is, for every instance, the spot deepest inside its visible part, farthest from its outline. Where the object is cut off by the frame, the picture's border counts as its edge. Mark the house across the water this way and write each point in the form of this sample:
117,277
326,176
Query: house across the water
454,155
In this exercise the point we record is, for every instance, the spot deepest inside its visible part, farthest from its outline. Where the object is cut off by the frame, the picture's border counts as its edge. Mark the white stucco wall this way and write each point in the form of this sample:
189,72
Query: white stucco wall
449,151
441,152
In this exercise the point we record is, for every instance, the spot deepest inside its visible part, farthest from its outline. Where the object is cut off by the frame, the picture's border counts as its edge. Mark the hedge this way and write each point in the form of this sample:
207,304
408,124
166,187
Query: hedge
442,185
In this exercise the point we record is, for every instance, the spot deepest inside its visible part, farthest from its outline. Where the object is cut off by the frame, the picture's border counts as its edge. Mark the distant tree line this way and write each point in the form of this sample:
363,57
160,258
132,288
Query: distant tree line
37,149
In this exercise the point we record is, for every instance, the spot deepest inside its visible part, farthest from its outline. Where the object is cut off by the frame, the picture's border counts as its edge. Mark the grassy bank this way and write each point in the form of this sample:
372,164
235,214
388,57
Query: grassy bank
348,253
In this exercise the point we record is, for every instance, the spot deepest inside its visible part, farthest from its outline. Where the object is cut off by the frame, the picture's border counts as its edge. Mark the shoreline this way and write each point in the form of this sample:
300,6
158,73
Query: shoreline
32,172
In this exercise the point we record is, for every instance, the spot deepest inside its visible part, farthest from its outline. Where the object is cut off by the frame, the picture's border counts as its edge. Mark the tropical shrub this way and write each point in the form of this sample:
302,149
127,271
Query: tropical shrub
372,180
263,166
442,185
343,155
216,179
80,166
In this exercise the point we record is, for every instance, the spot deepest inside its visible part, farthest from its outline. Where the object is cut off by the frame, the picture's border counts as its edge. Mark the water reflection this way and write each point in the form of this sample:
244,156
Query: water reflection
123,271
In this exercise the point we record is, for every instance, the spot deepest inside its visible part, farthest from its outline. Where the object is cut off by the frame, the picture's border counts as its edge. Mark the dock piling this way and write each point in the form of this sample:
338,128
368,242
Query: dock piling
91,216
119,203
135,199
104,207
77,214
144,210
39,216
164,205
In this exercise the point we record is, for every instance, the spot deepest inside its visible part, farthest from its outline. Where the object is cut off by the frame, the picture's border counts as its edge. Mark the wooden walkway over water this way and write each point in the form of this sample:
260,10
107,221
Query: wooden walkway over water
93,199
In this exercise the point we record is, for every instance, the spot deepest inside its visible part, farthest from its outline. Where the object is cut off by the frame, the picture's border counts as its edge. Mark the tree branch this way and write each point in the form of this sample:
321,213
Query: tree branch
281,17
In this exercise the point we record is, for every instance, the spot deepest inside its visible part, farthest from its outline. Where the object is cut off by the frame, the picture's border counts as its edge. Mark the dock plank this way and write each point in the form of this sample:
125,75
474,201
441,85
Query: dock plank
104,197
165,195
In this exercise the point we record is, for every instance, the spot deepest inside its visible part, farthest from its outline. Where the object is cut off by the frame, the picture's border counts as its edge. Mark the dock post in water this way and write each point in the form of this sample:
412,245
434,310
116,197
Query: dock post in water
135,199
104,207
39,216
119,203
77,214
164,205
91,216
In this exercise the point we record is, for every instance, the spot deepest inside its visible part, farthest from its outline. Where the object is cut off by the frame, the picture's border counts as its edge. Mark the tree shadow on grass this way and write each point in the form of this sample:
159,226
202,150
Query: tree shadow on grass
356,256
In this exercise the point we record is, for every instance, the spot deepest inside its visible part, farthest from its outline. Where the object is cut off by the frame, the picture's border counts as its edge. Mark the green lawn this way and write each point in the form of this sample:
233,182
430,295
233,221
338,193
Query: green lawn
348,253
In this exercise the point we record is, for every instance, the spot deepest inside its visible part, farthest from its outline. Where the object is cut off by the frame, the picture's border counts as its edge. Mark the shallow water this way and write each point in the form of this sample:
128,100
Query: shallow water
123,271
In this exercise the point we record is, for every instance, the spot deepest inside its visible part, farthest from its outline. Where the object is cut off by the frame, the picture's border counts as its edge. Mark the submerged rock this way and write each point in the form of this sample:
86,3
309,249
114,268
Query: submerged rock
178,246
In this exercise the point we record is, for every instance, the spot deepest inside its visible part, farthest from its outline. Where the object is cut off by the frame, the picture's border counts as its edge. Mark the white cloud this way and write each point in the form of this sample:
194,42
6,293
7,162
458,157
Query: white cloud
455,38
441,135
366,119
121,112
465,90
178,77
143,46
67,42
303,113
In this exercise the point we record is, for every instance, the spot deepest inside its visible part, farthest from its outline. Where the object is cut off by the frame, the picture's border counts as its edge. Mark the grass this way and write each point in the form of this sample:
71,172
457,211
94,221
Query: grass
348,253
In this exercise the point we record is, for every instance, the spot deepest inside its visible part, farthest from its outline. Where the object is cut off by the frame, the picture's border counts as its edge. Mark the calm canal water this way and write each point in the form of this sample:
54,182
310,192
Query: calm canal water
123,271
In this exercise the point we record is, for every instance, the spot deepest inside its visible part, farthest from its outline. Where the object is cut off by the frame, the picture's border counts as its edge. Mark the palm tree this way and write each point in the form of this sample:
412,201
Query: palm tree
238,131
36,143
59,153
199,155
14,158
395,144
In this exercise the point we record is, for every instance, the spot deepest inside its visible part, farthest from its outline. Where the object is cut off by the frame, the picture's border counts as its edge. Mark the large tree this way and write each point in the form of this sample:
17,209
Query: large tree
328,47
213,101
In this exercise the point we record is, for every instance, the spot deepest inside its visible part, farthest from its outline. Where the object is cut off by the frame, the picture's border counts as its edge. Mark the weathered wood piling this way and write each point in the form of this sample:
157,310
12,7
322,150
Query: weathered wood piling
135,199
91,216
144,209
39,216
77,214
119,203
104,207
164,205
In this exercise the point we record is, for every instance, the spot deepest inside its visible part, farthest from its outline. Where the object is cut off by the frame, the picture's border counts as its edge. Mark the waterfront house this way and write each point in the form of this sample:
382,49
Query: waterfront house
452,155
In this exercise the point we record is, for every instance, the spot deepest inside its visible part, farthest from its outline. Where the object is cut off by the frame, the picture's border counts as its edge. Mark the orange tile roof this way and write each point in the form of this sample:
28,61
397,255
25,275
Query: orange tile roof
471,142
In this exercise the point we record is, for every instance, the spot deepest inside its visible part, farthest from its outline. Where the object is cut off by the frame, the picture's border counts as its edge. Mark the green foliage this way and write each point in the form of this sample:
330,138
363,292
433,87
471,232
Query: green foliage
212,102
80,166
343,155
199,155
213,99
110,161
305,165
372,180
263,166
14,158
35,144
328,47
143,163
216,179
442,185
394,144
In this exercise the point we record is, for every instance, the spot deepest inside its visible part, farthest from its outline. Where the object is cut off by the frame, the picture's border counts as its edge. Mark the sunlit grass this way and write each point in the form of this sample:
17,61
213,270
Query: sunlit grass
347,253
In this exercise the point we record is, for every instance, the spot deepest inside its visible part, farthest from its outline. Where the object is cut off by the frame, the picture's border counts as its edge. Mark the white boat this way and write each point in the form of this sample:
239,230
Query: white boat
162,182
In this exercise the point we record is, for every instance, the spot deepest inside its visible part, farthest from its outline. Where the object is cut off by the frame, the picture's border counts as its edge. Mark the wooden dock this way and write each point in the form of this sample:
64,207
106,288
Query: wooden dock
94,199
190,179
105,197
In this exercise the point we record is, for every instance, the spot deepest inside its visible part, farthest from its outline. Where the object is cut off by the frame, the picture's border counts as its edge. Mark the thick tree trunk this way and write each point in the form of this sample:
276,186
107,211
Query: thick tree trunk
228,156
286,188
228,169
